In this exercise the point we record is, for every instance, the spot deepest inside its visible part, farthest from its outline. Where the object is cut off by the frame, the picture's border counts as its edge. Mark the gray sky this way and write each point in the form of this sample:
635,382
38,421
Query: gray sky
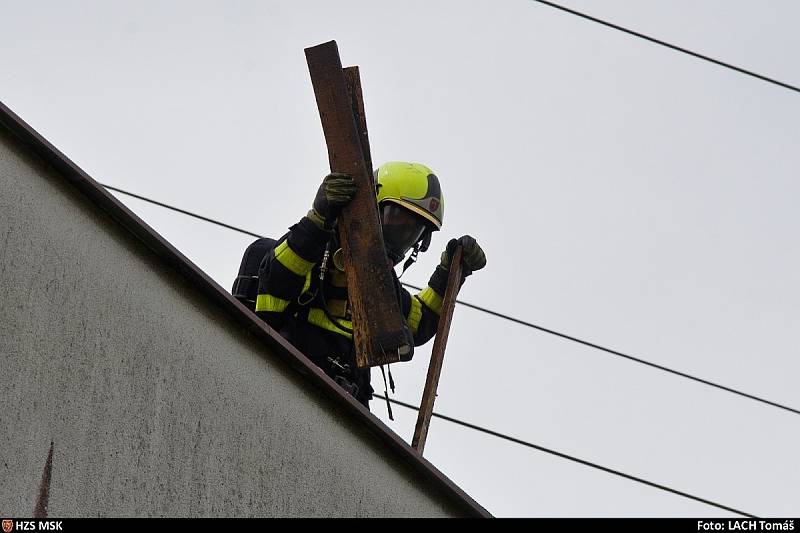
624,193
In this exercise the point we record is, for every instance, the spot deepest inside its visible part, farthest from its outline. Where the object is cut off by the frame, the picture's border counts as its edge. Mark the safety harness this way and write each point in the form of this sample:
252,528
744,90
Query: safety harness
245,289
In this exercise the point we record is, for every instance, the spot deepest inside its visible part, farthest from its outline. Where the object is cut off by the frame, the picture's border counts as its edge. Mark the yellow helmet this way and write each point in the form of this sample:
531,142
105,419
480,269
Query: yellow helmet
413,186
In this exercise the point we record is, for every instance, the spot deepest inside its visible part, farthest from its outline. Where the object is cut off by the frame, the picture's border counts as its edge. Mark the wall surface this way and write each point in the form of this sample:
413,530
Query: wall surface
158,403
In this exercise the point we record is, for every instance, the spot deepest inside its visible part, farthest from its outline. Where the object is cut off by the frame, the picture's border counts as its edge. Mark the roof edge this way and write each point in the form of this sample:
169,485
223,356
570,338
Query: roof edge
218,296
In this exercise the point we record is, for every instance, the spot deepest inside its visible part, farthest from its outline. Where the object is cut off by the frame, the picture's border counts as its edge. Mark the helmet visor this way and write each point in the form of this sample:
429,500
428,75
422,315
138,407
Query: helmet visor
401,229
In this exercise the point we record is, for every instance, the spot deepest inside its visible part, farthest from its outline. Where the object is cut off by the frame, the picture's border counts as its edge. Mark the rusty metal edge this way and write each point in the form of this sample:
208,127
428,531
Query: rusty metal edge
102,199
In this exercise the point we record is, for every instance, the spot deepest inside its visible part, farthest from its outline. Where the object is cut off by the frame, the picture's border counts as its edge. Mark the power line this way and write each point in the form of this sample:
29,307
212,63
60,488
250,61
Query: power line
571,458
506,317
668,45
623,355
142,198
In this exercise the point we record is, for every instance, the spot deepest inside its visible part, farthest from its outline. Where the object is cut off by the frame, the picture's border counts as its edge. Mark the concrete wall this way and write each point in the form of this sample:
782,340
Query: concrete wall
158,403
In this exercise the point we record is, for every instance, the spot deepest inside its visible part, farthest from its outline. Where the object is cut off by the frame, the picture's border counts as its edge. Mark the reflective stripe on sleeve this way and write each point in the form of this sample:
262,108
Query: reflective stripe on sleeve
289,258
414,314
432,299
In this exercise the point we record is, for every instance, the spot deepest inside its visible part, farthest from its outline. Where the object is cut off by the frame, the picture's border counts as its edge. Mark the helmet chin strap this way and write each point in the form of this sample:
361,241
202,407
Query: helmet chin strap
420,246
410,261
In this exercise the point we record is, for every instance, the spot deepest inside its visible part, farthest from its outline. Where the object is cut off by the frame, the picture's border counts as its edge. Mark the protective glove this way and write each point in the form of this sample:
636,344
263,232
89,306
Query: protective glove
472,256
335,192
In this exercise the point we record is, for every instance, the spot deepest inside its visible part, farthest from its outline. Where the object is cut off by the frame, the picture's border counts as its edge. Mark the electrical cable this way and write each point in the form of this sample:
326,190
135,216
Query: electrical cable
572,458
668,45
623,355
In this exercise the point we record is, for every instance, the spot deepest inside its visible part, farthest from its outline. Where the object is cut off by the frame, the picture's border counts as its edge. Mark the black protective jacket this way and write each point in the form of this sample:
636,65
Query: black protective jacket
290,300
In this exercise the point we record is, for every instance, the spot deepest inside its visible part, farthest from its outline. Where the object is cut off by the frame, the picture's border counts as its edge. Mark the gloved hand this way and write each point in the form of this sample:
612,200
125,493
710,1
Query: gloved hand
472,256
333,194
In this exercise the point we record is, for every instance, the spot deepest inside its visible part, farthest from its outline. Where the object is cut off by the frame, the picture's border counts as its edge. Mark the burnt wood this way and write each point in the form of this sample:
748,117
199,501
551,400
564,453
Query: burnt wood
379,335
352,78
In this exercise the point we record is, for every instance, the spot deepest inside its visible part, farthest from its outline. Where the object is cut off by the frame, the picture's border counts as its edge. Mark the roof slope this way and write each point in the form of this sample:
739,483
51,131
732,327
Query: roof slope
234,311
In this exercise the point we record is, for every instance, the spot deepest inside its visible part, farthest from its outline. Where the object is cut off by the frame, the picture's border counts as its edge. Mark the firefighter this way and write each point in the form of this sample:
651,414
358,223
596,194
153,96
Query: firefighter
315,317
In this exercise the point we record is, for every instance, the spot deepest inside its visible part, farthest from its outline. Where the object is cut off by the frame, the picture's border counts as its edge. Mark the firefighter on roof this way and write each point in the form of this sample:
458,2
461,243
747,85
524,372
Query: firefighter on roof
316,319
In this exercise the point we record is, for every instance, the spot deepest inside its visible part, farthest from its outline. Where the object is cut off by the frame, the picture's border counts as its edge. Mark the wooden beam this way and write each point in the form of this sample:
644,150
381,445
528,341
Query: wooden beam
352,78
437,355
379,335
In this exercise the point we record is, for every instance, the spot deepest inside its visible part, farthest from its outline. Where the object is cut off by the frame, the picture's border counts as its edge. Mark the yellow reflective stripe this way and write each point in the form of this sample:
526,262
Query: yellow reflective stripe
267,302
289,258
317,317
414,314
432,299
307,284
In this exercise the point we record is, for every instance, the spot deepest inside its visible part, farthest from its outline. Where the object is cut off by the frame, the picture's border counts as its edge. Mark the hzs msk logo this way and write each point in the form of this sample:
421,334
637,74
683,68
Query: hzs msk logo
8,525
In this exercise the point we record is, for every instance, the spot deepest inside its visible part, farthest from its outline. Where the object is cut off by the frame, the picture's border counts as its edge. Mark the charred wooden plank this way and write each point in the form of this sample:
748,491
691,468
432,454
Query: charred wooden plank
379,335
352,78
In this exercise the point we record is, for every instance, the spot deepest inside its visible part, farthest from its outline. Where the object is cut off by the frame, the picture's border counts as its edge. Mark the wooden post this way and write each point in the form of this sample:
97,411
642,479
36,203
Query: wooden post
437,355
379,334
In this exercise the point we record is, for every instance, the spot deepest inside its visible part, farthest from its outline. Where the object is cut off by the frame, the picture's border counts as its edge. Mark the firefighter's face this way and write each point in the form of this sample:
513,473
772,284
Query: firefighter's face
401,230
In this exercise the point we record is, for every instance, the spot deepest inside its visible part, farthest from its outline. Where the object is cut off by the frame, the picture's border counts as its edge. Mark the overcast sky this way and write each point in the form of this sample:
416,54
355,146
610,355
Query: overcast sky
624,193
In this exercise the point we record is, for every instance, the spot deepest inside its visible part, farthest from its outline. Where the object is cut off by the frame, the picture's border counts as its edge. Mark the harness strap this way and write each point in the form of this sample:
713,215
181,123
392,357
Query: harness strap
386,395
